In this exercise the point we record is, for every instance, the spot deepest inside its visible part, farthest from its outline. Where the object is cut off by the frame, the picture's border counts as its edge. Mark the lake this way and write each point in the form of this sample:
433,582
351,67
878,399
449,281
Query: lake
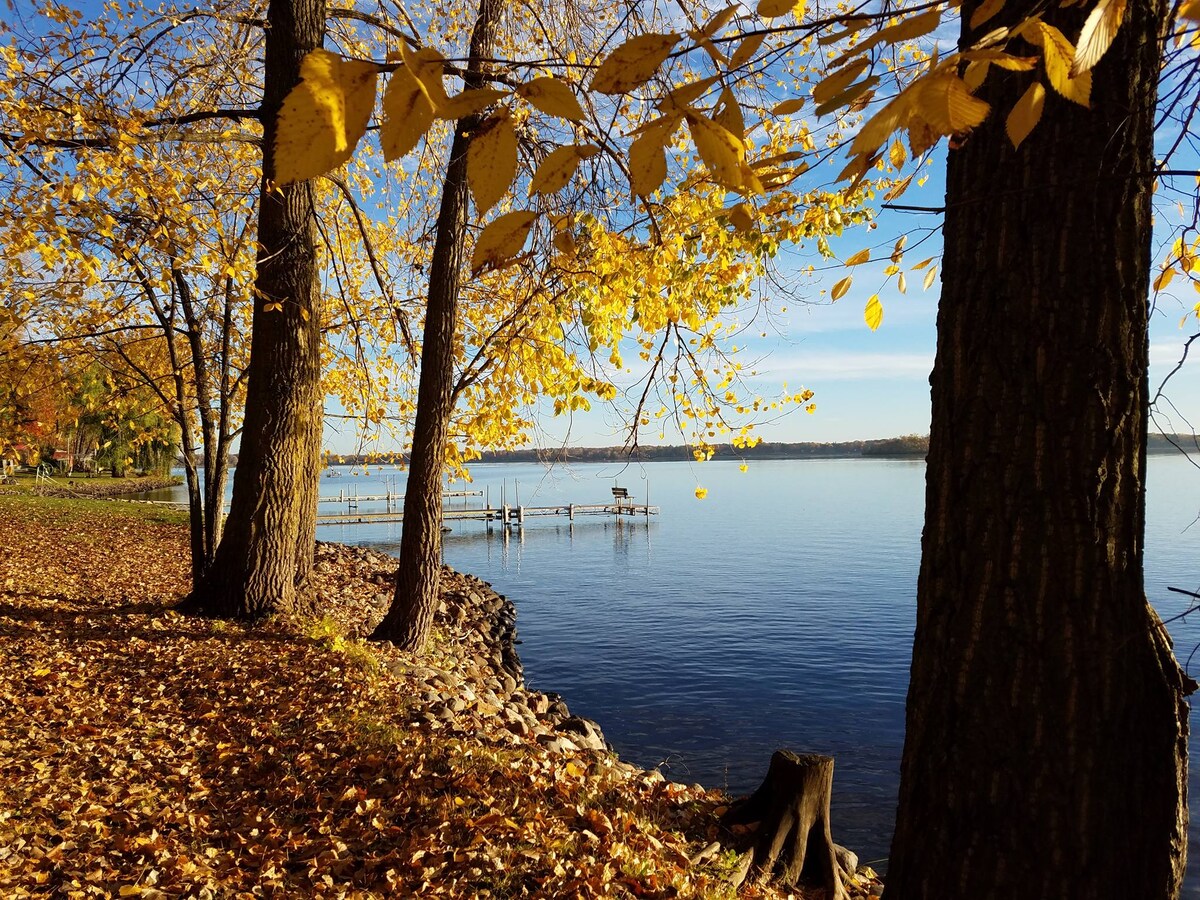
777,612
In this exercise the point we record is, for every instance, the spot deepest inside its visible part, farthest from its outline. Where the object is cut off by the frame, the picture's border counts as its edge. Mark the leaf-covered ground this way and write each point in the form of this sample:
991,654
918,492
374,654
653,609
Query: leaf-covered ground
147,754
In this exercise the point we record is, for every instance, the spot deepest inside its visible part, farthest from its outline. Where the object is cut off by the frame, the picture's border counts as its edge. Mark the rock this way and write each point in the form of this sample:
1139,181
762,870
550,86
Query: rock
710,850
557,743
508,682
519,726
584,732
847,859
558,709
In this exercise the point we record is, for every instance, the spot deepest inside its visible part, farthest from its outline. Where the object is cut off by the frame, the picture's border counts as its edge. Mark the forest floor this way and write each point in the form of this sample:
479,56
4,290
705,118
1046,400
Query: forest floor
146,754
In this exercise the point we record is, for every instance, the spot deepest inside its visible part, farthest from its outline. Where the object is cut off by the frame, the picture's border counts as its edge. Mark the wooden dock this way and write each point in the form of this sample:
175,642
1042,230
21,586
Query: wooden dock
512,516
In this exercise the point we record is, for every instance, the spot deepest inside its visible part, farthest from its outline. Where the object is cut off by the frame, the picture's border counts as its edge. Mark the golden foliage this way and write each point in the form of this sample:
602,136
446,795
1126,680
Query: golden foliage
407,114
492,159
633,63
323,117
501,240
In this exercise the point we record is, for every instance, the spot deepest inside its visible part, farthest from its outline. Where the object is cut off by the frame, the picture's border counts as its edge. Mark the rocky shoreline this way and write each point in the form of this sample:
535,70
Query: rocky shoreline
470,682
472,667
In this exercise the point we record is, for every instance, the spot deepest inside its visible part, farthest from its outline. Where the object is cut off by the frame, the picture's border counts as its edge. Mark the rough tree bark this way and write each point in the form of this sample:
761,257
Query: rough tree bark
790,839
418,576
266,551
1045,753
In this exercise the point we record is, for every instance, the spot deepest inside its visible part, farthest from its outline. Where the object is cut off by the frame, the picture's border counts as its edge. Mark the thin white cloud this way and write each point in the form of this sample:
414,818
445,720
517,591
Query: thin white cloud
809,367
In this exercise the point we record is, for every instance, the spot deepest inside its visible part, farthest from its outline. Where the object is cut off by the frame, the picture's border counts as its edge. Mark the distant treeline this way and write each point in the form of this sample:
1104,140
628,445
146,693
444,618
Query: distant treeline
909,446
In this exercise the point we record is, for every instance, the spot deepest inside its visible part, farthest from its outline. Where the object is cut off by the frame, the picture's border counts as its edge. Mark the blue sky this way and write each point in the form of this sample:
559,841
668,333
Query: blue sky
876,384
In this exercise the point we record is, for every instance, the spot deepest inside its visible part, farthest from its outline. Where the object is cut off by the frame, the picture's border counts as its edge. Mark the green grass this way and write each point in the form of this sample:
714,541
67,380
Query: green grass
64,510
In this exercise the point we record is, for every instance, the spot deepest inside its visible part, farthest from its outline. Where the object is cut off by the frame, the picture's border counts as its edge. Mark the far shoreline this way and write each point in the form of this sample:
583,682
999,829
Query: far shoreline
906,447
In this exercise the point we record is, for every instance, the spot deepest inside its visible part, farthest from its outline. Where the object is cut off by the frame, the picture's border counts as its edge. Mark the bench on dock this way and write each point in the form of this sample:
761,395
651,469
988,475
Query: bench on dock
621,495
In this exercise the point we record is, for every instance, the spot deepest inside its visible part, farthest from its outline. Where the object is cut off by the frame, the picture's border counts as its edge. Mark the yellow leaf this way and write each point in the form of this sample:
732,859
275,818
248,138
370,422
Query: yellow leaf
1190,10
873,313
897,154
575,769
902,284
552,97
985,11
323,117
788,106
859,258
129,890
773,9
701,492
742,217
633,63
975,74
856,169
501,240
682,97
564,242
1025,114
557,168
929,276
743,468
407,114
1097,35
1059,57
647,163
1001,59
719,20
923,263
469,102
839,289
945,102
729,116
745,50
710,48
854,97
492,160
880,126
723,153
428,66
832,85
911,28
1164,278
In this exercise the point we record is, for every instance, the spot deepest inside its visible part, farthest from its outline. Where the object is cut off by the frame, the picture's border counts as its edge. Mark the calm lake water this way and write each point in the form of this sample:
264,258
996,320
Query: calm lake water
777,612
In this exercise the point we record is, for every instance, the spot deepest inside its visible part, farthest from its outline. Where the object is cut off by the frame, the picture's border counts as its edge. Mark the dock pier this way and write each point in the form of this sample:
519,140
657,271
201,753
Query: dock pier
509,516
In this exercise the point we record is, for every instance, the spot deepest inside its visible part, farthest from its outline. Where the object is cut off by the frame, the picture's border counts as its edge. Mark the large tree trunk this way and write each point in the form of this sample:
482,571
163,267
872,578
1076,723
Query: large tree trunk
410,617
267,545
1045,753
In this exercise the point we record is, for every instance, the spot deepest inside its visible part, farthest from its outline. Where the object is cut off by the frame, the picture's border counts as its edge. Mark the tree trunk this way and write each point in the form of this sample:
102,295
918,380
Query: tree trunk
1045,753
196,533
790,838
267,545
410,617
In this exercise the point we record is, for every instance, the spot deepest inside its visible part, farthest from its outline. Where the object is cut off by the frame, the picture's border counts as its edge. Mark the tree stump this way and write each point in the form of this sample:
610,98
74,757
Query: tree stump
788,840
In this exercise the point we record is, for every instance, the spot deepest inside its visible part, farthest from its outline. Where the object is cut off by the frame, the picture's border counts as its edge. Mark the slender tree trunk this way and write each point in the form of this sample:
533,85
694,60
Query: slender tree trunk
266,549
1045,753
196,533
410,617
